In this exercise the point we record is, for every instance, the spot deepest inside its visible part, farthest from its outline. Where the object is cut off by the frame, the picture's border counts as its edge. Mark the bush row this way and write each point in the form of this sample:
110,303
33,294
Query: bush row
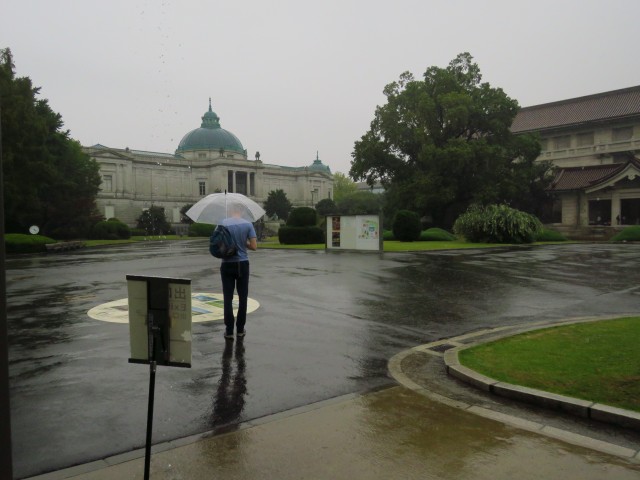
201,229
300,235
22,243
112,229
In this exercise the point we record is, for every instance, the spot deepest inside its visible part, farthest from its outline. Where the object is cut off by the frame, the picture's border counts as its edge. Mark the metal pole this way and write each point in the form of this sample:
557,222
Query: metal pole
147,451
6,469
151,332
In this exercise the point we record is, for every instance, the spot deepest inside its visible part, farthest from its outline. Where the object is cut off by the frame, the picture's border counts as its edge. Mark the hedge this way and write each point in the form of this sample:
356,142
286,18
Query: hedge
302,217
201,229
112,229
300,235
436,235
406,226
21,243
629,234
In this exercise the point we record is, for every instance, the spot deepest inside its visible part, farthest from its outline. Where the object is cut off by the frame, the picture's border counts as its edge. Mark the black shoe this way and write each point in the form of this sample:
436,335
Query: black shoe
228,336
242,333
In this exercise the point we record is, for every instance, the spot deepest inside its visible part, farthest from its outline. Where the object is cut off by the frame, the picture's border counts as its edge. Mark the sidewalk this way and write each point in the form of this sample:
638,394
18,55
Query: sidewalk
411,431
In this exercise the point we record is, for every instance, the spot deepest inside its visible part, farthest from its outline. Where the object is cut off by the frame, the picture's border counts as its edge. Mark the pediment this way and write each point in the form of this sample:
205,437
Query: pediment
630,172
102,152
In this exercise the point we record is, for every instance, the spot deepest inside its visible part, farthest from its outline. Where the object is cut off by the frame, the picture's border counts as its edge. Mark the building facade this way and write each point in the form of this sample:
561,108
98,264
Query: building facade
208,159
594,144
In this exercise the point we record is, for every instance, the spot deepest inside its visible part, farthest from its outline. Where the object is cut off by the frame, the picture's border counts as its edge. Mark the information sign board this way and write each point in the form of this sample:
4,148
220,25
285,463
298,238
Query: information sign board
354,232
164,306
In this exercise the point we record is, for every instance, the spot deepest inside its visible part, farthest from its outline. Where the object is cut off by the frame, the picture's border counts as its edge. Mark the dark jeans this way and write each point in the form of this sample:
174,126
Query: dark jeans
235,275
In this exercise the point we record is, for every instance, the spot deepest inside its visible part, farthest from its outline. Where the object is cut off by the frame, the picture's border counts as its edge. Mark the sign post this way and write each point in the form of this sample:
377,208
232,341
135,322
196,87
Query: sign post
160,331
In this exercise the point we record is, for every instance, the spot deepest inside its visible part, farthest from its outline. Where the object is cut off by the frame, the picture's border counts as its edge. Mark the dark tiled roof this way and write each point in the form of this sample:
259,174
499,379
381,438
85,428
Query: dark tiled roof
602,106
576,178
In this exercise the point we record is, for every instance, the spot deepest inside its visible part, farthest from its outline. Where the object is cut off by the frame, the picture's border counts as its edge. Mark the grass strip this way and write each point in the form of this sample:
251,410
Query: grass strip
595,361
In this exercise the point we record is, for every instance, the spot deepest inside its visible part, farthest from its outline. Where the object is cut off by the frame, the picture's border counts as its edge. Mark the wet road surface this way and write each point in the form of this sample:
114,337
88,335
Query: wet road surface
327,325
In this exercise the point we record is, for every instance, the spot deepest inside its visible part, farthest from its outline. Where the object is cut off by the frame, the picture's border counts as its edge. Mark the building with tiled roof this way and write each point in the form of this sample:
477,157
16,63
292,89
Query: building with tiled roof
208,159
594,143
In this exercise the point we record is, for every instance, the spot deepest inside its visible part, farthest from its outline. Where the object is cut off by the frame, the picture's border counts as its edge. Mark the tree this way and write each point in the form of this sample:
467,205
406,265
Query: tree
277,204
342,186
360,203
326,206
444,142
48,180
153,221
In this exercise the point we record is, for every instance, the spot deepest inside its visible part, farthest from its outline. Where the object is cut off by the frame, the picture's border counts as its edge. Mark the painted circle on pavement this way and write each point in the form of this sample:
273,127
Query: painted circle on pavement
205,307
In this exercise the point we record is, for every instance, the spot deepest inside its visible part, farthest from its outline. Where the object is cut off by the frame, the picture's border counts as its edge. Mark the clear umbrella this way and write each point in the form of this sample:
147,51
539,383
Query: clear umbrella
217,206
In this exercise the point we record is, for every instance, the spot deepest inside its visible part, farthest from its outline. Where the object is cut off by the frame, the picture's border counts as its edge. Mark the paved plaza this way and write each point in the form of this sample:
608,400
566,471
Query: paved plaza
312,375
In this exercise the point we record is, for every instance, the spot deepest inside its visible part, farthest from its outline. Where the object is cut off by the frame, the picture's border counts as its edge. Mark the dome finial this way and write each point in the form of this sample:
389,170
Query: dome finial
210,119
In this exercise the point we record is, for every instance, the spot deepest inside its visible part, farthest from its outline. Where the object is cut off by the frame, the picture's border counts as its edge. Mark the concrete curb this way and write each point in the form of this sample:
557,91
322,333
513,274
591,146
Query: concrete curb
574,406
585,409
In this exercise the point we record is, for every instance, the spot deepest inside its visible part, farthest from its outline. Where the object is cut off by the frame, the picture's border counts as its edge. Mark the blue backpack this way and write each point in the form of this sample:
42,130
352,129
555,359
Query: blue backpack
221,243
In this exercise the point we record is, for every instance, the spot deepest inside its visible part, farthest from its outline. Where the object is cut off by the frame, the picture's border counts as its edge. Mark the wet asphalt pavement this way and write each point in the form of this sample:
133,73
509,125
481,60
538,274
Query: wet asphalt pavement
327,325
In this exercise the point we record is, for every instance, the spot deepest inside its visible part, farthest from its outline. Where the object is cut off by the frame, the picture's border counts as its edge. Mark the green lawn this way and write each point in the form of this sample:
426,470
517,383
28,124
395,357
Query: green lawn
272,243
390,245
595,361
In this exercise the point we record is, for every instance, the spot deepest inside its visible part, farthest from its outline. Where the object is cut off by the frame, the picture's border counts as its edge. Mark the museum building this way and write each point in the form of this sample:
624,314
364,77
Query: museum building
208,159
594,145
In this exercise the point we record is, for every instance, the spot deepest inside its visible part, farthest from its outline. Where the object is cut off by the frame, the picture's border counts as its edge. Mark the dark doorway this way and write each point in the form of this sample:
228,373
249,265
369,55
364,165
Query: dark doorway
599,212
630,211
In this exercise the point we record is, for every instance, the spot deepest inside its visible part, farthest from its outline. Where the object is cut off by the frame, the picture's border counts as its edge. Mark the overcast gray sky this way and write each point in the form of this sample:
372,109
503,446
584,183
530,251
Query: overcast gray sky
293,77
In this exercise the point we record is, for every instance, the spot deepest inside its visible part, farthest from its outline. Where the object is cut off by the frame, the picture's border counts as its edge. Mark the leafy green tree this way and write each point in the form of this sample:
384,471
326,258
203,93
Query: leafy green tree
360,203
277,204
444,142
48,180
153,221
326,206
342,186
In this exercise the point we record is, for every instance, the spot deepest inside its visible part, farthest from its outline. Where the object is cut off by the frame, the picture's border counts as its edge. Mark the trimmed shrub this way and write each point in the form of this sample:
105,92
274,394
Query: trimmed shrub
388,235
138,232
112,229
497,224
22,243
548,235
436,235
302,217
406,226
300,235
629,234
201,229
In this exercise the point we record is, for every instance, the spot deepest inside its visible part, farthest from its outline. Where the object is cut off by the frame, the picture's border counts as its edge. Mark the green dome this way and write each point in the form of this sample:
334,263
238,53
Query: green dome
318,166
210,136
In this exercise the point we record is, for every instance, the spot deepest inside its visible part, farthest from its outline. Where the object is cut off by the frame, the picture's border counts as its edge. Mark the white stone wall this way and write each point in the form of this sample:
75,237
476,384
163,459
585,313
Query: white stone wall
133,181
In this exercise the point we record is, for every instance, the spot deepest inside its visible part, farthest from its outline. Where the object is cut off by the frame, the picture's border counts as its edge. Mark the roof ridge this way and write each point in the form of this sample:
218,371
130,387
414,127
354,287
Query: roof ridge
583,97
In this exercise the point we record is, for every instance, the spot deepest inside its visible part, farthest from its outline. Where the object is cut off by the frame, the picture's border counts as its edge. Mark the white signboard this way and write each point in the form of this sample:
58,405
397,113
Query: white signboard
167,300
354,232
